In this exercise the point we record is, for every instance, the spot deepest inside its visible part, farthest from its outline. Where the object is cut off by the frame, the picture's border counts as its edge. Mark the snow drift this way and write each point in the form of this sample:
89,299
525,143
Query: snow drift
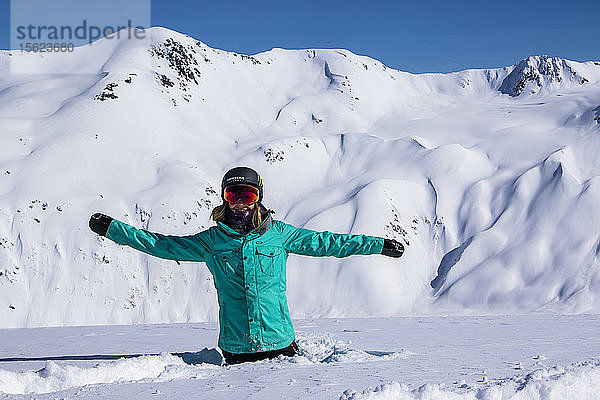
489,177
578,381
61,375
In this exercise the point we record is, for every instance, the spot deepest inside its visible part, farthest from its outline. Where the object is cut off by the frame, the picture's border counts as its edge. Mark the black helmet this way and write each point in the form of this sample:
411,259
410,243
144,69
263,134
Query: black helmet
244,176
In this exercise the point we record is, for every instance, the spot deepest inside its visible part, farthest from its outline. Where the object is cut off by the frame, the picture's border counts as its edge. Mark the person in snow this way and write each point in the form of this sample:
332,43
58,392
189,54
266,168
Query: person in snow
246,253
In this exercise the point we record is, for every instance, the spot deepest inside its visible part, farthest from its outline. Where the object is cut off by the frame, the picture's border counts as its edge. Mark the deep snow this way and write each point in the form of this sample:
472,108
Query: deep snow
534,356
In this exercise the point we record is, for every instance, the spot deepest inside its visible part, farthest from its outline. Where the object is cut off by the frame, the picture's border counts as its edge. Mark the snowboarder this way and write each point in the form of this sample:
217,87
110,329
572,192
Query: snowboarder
246,253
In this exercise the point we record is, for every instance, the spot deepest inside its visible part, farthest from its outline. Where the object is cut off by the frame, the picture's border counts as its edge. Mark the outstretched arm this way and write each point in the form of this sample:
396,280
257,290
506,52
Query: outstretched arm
313,243
180,248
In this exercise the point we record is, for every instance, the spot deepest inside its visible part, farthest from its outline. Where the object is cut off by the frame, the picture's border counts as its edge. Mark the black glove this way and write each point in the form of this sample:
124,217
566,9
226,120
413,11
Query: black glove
99,223
392,248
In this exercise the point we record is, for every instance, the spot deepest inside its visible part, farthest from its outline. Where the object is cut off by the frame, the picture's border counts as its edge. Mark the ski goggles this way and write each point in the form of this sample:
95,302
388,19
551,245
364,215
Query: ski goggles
245,193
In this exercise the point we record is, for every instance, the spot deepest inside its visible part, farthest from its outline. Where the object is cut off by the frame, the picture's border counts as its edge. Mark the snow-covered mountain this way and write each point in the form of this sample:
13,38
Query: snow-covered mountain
490,177
543,73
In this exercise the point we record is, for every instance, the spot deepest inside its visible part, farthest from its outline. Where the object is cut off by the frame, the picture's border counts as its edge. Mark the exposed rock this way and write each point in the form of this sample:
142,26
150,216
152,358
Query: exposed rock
534,74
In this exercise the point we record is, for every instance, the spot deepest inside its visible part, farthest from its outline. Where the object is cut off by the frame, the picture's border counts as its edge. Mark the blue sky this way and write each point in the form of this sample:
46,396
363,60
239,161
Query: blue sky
430,36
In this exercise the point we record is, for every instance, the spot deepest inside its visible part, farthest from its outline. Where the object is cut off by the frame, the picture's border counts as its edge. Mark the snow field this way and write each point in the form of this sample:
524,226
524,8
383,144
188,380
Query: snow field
60,375
535,356
576,382
490,177
573,382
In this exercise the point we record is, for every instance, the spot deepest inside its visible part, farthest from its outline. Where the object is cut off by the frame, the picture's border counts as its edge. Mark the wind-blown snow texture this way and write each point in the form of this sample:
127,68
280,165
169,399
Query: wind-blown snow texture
490,176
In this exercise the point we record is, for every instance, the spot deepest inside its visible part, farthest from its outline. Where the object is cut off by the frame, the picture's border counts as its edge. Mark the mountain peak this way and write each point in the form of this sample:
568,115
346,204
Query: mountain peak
537,73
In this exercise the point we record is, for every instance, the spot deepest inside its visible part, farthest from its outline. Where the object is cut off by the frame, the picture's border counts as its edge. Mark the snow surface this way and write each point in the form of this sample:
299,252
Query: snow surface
490,177
534,356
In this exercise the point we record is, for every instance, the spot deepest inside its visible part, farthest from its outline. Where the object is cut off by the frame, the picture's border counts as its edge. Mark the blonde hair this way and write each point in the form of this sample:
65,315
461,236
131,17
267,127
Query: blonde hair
218,214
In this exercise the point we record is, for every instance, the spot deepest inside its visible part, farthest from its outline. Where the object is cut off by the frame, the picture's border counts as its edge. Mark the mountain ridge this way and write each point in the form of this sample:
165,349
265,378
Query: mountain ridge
528,76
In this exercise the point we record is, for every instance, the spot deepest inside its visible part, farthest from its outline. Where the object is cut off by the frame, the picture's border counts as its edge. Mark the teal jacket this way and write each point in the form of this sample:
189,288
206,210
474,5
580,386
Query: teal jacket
249,272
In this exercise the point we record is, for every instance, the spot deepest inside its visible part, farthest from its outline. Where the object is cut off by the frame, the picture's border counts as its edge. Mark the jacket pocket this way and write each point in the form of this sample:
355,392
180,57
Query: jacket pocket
227,261
268,258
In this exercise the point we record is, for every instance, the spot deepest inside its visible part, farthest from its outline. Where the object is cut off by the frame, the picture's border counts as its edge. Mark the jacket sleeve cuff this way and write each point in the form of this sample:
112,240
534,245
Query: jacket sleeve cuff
113,231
